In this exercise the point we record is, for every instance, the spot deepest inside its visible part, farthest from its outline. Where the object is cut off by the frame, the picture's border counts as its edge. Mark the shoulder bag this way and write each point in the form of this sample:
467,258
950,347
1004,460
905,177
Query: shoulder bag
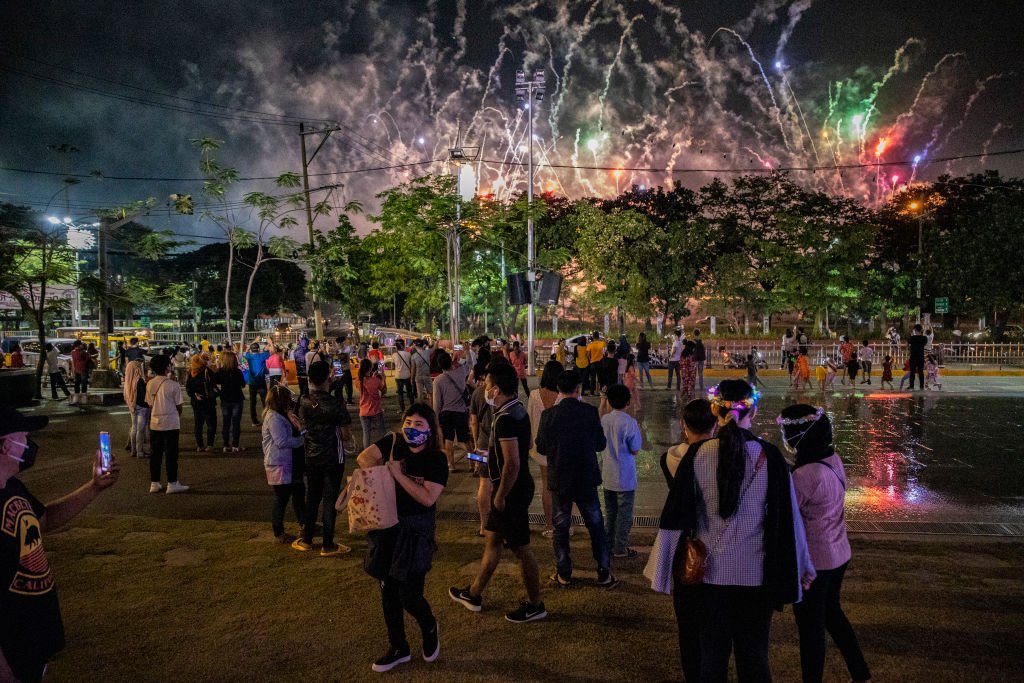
369,496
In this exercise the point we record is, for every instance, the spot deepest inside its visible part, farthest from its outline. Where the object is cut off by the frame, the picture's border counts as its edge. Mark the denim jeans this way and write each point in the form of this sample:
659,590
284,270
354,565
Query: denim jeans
404,390
231,418
618,511
700,373
590,508
138,437
82,382
322,484
204,413
373,428
673,369
644,369
256,390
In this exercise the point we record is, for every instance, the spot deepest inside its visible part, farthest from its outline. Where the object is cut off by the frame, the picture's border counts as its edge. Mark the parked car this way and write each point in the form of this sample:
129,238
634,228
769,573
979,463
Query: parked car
1011,332
30,352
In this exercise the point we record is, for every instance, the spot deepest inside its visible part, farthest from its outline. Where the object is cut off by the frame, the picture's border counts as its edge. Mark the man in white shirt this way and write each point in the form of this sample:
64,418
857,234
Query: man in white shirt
403,373
866,354
53,369
163,395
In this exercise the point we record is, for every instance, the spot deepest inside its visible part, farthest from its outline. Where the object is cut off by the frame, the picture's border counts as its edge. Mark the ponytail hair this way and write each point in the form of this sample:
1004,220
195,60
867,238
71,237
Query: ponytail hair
732,400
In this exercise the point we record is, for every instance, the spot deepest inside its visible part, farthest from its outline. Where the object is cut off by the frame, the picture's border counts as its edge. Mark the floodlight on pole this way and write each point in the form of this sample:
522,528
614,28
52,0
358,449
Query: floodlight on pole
528,92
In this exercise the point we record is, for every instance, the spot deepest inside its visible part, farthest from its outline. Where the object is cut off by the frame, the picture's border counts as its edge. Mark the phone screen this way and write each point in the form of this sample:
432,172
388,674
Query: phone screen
104,452
337,368
479,457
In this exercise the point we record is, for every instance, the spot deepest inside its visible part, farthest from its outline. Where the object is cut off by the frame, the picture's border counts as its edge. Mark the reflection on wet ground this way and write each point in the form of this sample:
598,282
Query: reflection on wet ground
925,456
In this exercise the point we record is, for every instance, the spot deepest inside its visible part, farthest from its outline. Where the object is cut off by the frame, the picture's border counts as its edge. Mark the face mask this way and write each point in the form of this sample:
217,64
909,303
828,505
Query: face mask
28,457
490,400
415,437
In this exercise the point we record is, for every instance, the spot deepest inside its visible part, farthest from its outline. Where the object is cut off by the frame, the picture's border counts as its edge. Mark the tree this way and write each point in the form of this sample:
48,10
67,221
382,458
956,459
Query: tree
339,264
33,259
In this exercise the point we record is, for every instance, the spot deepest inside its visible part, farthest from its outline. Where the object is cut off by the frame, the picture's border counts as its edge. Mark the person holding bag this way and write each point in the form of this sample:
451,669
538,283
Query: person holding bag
820,484
400,556
742,539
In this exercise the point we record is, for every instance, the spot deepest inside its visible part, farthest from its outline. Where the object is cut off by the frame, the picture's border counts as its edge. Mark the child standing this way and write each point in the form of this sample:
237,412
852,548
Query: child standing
801,371
830,373
887,371
629,380
867,355
752,378
932,377
906,373
618,469
852,366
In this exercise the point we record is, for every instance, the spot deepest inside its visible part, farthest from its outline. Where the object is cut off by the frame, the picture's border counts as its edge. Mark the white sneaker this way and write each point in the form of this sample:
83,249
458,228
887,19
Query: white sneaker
156,487
176,487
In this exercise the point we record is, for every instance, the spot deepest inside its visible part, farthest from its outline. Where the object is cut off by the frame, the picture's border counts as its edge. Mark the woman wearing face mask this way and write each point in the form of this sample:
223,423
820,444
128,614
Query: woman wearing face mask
401,556
820,484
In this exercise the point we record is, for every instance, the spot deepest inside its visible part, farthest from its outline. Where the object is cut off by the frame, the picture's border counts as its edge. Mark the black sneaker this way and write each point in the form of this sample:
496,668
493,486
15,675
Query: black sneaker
462,596
527,612
431,644
605,579
393,658
627,553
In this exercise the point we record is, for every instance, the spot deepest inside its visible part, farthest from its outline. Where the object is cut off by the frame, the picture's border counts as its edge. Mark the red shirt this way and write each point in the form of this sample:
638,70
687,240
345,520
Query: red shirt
80,360
370,396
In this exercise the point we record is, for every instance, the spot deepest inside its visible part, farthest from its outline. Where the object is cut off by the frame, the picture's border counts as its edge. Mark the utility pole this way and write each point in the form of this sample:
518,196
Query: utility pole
528,92
318,319
457,155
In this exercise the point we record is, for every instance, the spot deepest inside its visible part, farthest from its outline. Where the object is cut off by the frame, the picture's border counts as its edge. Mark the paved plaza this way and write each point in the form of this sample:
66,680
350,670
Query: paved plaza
192,587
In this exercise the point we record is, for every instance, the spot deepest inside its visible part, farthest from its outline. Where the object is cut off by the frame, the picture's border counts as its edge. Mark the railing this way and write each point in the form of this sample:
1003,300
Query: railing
216,337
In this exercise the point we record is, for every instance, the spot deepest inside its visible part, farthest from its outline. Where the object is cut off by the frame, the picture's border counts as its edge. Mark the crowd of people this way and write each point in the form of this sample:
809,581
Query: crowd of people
773,535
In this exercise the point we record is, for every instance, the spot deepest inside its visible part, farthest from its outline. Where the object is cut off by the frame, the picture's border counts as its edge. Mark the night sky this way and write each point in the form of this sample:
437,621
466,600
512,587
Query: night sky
635,85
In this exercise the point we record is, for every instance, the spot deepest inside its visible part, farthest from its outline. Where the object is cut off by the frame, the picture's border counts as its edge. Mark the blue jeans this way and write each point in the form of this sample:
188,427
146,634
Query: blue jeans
231,419
590,508
700,373
139,436
673,369
644,369
618,512
373,429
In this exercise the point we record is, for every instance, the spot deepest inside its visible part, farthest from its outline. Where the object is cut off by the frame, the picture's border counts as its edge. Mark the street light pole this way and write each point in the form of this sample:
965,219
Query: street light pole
318,318
920,261
533,90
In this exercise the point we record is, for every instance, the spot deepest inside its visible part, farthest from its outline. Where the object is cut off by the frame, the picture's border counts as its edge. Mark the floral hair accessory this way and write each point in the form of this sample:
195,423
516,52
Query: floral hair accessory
814,417
744,404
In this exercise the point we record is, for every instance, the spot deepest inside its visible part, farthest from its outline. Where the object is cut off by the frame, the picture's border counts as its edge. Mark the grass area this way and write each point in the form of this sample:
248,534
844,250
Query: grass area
151,599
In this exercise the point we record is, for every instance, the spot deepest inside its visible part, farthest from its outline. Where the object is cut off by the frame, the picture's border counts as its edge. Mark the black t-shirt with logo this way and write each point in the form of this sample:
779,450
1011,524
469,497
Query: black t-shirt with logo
31,630
511,421
427,465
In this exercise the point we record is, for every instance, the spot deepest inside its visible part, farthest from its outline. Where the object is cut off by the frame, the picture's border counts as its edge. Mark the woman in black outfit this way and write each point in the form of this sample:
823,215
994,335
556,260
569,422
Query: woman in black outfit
231,382
401,556
203,395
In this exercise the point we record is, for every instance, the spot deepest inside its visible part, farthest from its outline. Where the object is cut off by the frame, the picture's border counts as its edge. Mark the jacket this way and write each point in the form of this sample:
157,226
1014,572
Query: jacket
781,573
323,416
201,385
278,443
571,436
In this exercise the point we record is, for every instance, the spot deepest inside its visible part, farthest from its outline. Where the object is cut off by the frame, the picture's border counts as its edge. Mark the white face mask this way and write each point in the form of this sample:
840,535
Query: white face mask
490,401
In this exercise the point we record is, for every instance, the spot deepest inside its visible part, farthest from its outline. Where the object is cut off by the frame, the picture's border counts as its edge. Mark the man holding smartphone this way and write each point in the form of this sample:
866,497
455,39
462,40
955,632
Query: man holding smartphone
508,523
31,630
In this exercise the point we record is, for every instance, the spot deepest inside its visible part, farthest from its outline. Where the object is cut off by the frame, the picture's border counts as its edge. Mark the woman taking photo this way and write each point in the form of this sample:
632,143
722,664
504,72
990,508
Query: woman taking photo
278,458
820,483
741,506
371,393
401,556
202,393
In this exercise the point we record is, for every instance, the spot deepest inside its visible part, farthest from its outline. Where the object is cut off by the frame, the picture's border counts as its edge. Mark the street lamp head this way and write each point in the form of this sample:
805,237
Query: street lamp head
52,220
67,220
914,206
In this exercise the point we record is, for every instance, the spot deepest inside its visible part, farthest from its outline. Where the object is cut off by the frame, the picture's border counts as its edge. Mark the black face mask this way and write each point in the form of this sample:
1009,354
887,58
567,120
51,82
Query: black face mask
28,458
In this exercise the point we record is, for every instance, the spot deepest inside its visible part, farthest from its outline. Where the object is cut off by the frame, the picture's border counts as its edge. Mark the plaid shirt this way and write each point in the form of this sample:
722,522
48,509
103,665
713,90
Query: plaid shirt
735,545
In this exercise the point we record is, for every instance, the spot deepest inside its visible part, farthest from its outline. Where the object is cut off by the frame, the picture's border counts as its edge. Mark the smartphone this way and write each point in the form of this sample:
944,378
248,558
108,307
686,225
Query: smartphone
478,456
337,368
104,452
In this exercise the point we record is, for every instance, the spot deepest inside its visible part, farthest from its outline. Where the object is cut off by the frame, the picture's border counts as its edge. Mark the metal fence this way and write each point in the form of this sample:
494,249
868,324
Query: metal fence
218,336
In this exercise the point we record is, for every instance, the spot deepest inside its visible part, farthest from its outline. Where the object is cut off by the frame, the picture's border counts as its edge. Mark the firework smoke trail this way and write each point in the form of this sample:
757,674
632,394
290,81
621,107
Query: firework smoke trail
582,32
924,84
611,68
459,30
988,142
979,89
764,77
796,12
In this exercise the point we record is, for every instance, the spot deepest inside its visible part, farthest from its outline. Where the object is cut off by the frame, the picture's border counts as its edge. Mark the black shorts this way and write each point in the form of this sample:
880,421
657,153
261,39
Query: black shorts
455,426
512,523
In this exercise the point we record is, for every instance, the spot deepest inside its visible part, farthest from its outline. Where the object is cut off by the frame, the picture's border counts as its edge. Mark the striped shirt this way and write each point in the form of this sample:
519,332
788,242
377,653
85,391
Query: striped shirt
735,545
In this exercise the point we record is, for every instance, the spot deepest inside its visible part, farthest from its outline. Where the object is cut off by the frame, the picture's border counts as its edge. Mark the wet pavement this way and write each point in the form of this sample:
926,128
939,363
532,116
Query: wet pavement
926,458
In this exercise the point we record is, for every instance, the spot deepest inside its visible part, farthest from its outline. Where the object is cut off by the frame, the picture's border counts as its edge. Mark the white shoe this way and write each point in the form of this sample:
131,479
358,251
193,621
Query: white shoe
176,487
156,487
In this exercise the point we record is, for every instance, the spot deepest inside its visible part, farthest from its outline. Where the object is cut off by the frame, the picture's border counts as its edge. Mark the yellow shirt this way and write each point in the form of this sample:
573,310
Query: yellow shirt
582,357
819,372
596,349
